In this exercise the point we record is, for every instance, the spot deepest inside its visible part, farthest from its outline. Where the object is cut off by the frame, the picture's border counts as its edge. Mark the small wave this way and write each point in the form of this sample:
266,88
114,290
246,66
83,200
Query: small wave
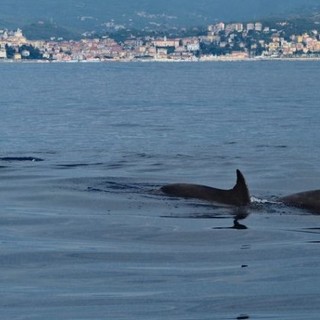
265,146
10,159
121,187
77,165
262,201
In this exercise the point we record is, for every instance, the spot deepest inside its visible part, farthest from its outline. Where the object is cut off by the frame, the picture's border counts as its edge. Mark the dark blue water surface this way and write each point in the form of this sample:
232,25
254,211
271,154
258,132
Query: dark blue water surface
84,235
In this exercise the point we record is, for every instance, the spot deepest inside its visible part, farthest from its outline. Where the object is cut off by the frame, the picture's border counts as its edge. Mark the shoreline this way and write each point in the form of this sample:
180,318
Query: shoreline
211,59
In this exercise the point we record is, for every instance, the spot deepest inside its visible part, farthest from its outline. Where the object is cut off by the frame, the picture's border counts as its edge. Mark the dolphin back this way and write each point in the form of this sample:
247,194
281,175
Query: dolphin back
307,200
237,196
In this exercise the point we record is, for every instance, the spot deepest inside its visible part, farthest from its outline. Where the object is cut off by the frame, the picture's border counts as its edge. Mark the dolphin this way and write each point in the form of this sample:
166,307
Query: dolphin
309,200
237,196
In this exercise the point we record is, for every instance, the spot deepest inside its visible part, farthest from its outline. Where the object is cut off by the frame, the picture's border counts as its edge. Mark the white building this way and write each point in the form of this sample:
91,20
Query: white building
216,28
250,26
258,26
234,27
193,46
3,53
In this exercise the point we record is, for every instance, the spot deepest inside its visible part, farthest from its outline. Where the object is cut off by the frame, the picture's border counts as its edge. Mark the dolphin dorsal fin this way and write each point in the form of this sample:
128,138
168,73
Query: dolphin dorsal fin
241,189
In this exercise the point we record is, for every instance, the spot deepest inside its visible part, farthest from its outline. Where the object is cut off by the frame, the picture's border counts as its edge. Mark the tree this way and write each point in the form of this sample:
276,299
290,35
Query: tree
30,52
10,51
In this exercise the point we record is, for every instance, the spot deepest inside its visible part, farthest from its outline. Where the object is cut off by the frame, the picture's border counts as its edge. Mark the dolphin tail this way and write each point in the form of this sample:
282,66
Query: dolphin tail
241,190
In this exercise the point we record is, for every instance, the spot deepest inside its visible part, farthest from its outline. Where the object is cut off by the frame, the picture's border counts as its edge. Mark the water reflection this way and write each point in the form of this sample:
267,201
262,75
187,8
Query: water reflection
236,225
237,214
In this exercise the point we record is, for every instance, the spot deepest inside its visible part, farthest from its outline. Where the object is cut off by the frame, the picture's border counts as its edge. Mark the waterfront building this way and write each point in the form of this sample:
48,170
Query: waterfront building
239,55
190,44
3,52
193,46
163,43
17,56
162,53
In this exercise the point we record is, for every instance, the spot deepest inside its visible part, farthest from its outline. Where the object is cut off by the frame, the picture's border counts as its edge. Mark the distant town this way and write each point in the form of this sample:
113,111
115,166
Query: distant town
222,41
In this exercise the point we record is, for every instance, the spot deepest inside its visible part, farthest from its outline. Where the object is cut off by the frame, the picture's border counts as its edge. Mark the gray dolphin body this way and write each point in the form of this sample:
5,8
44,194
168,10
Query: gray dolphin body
237,196
309,200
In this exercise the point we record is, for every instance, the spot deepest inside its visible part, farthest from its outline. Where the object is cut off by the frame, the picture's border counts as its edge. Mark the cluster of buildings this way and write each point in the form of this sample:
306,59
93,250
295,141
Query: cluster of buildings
298,44
14,46
222,41
11,38
254,39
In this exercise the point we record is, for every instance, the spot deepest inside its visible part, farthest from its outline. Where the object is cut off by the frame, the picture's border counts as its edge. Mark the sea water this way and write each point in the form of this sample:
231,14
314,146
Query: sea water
84,148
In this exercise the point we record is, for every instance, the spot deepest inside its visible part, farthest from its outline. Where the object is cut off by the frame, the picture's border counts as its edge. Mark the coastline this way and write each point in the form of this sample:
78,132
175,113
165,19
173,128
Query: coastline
206,59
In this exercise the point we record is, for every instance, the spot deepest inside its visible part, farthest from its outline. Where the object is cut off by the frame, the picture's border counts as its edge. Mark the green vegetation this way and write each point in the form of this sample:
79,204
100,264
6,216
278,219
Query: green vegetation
10,52
44,30
124,34
29,52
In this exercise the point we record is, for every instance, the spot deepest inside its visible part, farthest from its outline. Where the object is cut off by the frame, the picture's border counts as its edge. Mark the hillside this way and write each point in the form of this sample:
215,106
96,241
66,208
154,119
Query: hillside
70,18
